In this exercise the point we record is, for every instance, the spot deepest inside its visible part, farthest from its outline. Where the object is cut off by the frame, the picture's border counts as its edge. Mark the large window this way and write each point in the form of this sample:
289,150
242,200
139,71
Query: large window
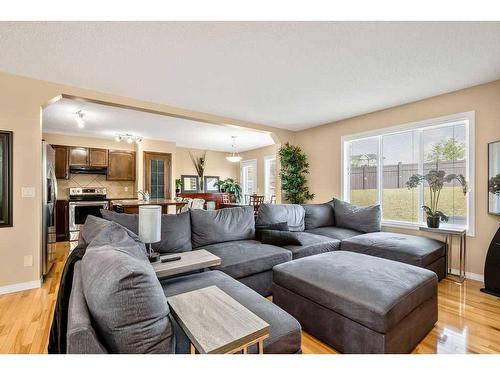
377,165
248,169
270,177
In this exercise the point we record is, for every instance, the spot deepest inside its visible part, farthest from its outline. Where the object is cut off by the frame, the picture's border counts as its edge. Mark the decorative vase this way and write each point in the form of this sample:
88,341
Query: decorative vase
433,221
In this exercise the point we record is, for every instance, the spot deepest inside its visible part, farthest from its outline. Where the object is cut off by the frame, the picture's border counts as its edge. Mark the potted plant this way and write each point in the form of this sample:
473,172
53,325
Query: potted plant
435,179
230,186
294,168
178,186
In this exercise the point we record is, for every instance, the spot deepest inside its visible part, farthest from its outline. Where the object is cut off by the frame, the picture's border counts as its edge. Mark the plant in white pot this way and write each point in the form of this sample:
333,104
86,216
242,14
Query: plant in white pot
435,180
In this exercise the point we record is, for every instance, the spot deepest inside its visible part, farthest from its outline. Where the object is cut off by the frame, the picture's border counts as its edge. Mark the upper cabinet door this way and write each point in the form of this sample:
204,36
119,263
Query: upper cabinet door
98,157
78,156
62,161
121,165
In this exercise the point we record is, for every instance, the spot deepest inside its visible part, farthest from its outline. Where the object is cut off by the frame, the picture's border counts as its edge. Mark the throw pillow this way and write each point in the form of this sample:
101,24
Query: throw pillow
319,215
274,226
362,219
279,238
124,296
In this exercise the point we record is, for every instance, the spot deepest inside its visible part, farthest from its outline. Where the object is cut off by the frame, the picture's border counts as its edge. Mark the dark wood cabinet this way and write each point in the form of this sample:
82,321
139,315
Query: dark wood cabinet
62,220
121,165
78,156
62,161
98,157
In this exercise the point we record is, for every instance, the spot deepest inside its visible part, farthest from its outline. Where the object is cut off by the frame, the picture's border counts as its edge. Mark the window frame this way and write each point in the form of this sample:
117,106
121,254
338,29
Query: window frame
268,159
443,121
243,164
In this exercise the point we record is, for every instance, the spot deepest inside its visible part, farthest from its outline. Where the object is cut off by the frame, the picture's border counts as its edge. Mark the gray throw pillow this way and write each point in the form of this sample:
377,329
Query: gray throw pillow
279,238
319,215
124,296
274,226
293,214
362,219
227,224
175,230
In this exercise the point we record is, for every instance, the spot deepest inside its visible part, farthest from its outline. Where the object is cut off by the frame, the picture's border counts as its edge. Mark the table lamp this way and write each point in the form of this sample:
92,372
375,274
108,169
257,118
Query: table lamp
150,229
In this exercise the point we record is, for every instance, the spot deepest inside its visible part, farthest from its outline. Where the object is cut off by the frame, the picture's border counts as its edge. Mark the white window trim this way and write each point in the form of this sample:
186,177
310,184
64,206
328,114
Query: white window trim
249,162
266,174
429,123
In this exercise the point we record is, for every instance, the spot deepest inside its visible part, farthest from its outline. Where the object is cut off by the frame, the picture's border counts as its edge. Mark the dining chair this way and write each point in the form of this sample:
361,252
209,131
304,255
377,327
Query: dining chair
256,201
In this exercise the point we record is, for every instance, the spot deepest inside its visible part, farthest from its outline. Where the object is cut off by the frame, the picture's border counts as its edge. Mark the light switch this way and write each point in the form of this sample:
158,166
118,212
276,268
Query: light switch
126,188
28,192
28,261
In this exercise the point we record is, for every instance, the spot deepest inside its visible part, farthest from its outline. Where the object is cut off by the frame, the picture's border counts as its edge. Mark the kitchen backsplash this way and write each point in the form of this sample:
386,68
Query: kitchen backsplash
114,189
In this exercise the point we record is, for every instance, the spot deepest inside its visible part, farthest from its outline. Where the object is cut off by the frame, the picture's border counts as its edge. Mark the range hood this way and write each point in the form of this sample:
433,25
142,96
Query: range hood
88,170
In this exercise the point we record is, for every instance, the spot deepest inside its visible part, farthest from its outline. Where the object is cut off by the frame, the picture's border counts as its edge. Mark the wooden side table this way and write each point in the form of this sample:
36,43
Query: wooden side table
215,323
448,239
190,261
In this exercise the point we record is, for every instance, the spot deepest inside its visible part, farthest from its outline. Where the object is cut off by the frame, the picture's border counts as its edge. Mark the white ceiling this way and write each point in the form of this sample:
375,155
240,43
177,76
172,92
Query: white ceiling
102,121
291,75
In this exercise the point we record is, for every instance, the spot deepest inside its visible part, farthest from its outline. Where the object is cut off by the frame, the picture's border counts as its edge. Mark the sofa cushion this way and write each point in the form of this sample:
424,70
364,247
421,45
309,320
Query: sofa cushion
312,244
248,257
377,293
293,214
123,294
319,215
417,250
275,226
362,219
175,230
335,232
279,238
227,224
284,331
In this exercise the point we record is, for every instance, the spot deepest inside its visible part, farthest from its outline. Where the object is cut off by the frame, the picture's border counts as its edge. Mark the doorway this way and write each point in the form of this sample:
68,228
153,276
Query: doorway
158,174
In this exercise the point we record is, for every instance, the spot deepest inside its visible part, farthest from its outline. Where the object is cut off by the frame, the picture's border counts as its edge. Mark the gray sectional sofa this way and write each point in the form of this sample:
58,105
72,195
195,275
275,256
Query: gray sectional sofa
246,269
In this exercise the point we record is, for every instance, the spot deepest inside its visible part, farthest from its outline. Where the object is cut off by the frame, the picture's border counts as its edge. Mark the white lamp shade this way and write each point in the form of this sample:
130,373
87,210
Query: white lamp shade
150,224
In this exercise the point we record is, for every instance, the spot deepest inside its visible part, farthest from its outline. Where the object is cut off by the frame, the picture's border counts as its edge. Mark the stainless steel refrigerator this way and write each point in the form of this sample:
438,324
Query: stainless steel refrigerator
49,197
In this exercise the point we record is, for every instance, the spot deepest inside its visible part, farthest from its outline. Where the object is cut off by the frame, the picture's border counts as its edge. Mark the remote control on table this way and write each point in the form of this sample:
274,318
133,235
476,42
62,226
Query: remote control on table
171,259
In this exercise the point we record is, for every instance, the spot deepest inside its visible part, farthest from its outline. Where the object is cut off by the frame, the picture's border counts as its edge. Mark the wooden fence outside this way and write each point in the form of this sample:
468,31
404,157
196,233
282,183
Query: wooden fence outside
396,175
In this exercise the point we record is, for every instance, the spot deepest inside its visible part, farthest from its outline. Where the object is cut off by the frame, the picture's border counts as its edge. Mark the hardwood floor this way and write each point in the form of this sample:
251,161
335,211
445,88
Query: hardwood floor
469,321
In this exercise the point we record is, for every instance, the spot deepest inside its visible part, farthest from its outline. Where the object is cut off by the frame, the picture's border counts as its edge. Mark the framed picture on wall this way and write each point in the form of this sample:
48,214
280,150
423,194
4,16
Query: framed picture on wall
189,184
494,178
5,178
211,184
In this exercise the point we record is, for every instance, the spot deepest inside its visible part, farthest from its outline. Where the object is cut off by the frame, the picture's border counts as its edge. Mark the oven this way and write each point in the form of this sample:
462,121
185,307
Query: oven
82,203
78,212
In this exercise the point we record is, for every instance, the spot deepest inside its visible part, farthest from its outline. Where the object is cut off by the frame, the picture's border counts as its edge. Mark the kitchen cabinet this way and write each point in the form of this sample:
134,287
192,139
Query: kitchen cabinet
121,165
62,161
78,156
98,157
62,220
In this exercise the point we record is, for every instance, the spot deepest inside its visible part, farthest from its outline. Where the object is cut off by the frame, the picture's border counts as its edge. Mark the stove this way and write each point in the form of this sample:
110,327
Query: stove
82,203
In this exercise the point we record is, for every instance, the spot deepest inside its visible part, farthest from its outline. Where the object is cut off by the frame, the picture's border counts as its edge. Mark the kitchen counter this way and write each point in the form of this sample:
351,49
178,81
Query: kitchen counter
131,206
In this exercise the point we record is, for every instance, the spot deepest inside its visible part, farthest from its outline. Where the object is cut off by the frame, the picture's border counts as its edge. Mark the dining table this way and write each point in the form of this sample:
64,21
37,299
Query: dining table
131,206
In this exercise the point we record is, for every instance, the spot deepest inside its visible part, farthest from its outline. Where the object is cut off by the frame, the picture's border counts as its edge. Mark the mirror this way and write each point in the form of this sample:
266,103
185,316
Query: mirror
189,183
5,178
211,184
494,178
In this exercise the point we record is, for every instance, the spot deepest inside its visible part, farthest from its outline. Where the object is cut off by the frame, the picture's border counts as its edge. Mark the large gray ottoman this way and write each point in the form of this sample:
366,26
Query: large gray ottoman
358,303
415,250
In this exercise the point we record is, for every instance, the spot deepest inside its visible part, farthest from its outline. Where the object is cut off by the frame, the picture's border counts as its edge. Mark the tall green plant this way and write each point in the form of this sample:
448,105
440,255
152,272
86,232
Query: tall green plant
294,168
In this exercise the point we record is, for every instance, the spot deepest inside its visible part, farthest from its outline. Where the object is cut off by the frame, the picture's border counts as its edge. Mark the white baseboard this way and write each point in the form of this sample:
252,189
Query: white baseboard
470,275
21,286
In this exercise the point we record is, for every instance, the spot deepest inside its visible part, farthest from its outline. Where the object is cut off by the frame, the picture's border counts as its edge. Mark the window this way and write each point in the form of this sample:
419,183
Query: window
377,165
270,177
248,169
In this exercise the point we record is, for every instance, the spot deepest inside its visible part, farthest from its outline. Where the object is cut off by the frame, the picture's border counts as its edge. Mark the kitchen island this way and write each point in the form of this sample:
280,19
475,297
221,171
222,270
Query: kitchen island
131,206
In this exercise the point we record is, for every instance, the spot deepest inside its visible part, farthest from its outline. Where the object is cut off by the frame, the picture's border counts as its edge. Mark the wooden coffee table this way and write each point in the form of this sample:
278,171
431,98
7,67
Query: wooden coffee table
215,323
190,261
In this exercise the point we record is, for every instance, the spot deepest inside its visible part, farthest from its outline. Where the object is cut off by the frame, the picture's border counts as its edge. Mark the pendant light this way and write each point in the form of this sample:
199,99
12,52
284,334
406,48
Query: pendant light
234,157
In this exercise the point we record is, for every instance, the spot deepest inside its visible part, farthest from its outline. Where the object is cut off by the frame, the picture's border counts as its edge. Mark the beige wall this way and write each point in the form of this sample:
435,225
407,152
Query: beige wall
323,147
260,154
216,164
21,101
